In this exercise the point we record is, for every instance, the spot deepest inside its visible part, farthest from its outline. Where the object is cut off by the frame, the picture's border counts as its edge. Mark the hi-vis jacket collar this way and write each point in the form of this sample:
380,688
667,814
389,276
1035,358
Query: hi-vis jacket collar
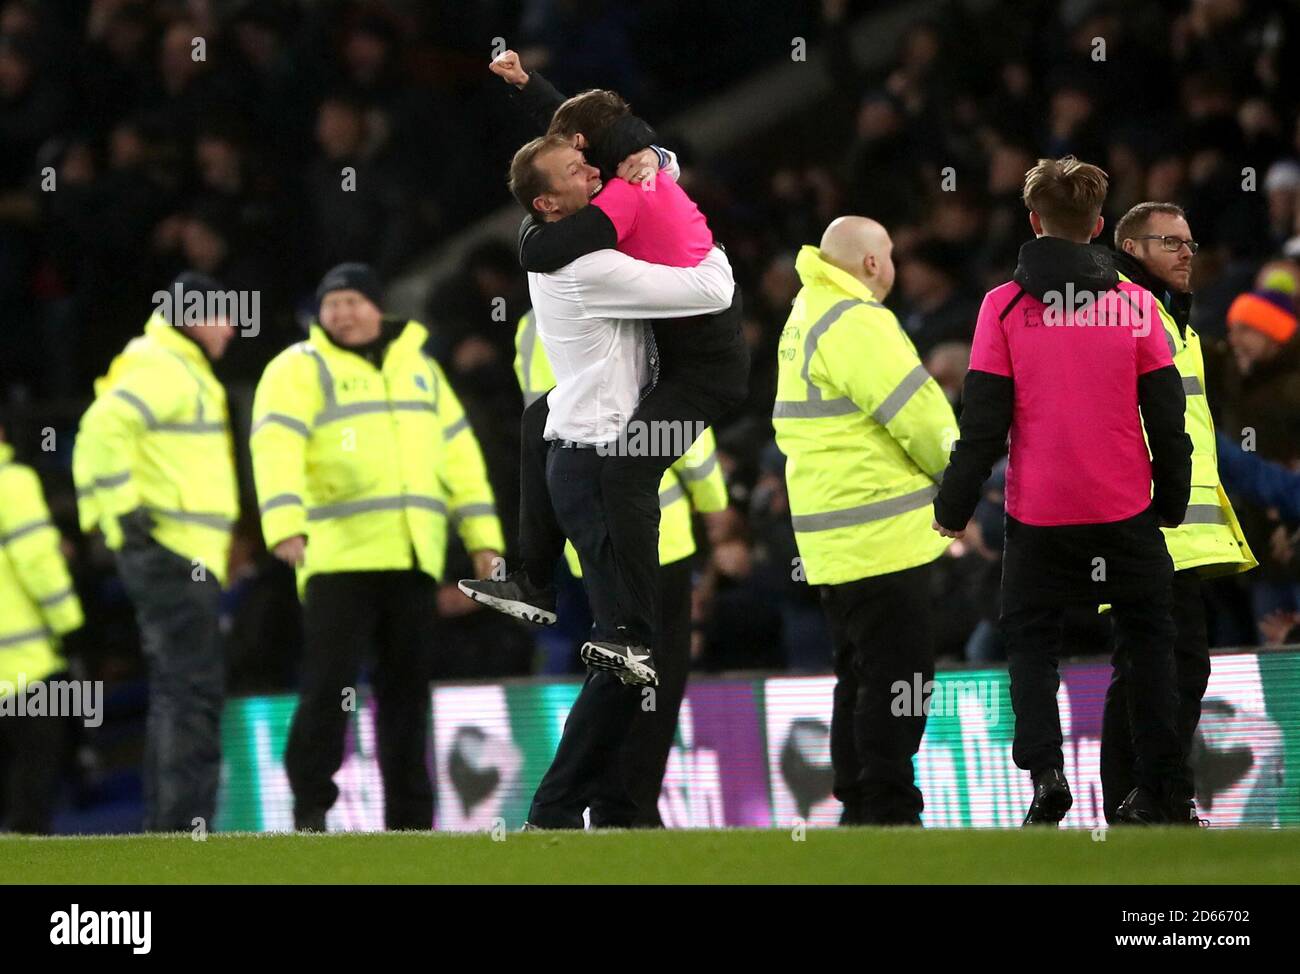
168,335
814,269
413,333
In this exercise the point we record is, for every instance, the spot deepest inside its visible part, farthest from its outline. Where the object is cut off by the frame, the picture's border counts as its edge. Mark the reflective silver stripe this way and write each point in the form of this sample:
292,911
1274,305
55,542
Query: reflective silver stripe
196,517
700,472
280,419
531,397
1205,514
1192,385
151,421
56,598
27,528
1173,349
149,418
865,513
113,480
905,390
527,345
323,375
22,637
374,406
281,500
813,409
346,508
455,428
674,493
198,427
815,332
84,492
473,510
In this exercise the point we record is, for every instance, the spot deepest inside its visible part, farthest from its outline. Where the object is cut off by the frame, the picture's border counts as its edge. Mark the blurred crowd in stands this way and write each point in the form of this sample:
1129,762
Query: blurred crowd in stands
125,160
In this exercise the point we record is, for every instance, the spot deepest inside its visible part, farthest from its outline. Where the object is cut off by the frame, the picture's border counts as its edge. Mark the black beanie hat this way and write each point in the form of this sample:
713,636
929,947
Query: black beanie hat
185,284
351,277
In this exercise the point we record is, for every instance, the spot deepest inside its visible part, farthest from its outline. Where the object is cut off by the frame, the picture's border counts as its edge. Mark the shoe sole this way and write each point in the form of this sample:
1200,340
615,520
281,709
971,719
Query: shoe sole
511,607
1053,809
631,672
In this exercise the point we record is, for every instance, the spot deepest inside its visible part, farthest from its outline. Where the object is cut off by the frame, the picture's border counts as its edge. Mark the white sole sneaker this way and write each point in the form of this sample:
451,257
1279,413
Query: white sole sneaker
512,607
632,672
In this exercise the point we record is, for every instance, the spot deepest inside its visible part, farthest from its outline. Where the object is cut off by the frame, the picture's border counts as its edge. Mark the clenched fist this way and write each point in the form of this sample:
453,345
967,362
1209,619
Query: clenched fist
506,66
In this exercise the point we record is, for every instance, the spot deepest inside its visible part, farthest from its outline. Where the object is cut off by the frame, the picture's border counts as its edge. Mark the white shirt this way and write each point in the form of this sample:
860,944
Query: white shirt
591,317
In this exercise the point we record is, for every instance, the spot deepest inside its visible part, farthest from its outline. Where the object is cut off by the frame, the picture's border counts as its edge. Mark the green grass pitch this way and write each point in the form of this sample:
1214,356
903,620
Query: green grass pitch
730,856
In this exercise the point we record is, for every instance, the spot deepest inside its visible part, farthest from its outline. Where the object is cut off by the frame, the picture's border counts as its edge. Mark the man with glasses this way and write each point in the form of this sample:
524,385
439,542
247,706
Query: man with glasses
1154,250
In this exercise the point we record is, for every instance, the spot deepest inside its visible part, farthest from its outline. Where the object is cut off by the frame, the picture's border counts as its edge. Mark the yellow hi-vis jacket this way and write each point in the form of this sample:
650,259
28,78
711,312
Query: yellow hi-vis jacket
158,436
367,463
694,481
866,431
1209,539
37,602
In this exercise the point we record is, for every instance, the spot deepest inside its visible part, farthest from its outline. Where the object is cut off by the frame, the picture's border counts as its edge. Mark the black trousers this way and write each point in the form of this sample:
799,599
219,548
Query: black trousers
31,752
597,726
687,397
177,613
1144,637
629,793
1192,675
882,632
347,617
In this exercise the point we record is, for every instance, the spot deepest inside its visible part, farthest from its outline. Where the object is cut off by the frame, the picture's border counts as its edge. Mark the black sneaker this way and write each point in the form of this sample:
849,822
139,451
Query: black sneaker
632,664
516,596
1052,798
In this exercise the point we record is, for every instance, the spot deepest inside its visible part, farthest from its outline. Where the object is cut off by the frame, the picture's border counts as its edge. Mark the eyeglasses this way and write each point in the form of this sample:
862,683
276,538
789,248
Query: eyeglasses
1171,244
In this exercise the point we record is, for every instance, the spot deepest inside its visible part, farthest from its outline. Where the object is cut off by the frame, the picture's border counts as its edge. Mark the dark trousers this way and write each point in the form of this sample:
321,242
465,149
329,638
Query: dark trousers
177,613
541,542
629,793
1192,675
347,617
598,724
686,398
1144,637
882,632
31,752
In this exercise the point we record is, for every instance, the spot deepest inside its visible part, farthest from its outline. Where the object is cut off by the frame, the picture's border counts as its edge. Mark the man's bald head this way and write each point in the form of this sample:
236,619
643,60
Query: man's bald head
860,246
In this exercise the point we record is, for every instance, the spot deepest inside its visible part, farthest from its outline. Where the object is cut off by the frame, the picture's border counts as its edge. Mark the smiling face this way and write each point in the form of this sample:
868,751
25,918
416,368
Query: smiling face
571,182
350,317
1174,269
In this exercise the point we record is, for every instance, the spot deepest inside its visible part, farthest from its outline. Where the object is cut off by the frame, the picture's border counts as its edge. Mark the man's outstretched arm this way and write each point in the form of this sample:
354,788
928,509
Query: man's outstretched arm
534,96
618,286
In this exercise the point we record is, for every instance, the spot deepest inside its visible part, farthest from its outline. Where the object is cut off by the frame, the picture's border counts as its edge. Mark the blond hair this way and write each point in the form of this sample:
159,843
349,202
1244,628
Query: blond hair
1067,195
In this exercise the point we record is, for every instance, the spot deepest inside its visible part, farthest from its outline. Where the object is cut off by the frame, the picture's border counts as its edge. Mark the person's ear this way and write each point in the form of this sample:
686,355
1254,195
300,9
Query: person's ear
543,204
1035,224
1129,246
1096,231
579,141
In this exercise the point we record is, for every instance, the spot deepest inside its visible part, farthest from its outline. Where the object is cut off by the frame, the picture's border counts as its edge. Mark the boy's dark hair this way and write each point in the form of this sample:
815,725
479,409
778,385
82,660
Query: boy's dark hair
588,113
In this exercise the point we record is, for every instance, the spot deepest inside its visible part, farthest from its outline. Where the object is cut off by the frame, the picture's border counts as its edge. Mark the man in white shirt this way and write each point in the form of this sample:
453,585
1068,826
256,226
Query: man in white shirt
591,317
